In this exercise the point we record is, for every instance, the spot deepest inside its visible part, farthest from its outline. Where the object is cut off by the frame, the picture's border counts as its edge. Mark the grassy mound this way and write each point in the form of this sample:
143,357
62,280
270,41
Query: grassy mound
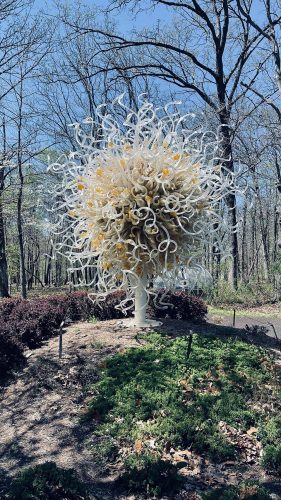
160,396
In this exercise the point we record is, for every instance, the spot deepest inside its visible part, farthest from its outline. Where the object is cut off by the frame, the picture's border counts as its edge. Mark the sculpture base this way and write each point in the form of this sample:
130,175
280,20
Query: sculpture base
133,323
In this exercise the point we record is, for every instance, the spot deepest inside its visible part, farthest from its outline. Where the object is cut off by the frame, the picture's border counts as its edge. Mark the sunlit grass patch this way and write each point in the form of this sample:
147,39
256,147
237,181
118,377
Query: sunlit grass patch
264,311
156,396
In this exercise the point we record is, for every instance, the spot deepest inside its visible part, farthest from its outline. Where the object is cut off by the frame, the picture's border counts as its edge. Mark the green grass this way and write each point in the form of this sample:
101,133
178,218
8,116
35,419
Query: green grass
154,392
221,311
270,435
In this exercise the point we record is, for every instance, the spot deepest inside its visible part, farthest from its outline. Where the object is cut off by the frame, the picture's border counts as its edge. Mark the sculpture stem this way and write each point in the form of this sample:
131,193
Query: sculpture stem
141,301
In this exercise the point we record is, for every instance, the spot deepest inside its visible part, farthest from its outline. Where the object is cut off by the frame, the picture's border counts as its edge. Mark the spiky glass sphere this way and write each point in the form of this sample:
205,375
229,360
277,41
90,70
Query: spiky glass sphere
138,196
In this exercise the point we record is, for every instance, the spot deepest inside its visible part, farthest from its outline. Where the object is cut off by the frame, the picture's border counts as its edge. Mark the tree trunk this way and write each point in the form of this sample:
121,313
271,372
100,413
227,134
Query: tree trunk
21,242
4,279
231,198
20,200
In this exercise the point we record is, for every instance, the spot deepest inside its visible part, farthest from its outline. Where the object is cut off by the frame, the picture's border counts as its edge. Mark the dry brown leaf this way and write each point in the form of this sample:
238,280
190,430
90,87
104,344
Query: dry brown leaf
252,430
138,446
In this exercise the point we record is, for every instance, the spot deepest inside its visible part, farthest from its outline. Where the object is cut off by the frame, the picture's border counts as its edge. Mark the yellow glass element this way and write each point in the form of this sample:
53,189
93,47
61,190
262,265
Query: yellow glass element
166,171
80,186
176,157
106,265
99,190
148,199
122,163
72,213
201,205
99,172
139,270
97,240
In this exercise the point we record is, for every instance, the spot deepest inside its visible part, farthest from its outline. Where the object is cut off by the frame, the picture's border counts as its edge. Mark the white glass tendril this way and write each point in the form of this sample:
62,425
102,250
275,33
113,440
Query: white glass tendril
137,198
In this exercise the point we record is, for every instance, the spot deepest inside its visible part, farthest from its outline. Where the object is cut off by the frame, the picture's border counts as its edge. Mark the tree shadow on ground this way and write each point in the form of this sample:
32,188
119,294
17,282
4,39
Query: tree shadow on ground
207,328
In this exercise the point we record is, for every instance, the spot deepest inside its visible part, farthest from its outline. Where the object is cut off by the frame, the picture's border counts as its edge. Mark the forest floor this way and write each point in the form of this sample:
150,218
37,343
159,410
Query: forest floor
41,409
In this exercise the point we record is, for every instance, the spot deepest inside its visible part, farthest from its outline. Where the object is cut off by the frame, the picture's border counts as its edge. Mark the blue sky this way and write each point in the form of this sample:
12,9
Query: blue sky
125,19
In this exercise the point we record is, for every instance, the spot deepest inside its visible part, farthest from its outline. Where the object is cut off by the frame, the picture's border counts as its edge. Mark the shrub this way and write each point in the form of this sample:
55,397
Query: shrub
271,432
30,322
11,351
107,308
6,308
271,460
48,482
149,474
35,321
76,305
177,305
270,436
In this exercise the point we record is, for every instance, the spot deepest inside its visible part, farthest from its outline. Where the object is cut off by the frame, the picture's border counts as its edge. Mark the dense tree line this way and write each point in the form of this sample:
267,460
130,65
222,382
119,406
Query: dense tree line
221,58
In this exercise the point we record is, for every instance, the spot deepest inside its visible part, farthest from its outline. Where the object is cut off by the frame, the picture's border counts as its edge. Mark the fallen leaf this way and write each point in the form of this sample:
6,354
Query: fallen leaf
252,430
138,446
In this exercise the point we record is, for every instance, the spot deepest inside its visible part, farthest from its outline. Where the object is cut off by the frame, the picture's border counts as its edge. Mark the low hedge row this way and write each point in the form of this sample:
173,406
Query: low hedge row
26,323
177,305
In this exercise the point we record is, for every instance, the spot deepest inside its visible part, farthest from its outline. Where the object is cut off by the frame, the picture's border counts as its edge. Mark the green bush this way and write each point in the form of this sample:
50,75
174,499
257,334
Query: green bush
46,482
270,433
271,459
270,436
149,474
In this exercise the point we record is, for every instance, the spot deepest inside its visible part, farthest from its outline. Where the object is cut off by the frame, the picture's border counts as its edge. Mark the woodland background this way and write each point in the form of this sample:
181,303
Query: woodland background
58,61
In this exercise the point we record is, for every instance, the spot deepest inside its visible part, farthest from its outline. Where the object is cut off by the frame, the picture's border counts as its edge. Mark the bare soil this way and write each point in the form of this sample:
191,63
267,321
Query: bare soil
40,410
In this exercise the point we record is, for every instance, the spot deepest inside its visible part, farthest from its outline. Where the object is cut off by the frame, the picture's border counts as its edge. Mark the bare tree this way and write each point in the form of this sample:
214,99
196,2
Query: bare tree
14,40
198,53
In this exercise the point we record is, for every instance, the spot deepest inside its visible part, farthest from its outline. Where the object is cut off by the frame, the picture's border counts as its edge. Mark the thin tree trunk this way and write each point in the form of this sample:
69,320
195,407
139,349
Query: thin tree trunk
4,278
19,203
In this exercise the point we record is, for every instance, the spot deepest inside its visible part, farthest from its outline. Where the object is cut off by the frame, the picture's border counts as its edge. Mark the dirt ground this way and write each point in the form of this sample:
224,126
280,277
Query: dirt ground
41,408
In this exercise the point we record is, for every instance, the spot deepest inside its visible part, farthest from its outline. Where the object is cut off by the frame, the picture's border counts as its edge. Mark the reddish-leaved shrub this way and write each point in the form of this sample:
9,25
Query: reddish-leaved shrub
177,305
11,351
6,308
106,309
36,320
29,322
